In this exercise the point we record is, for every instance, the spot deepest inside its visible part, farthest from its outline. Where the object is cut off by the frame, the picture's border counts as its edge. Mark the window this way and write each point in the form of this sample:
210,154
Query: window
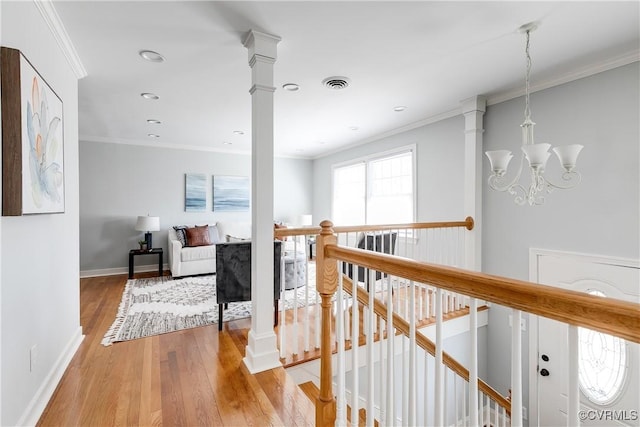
602,364
375,190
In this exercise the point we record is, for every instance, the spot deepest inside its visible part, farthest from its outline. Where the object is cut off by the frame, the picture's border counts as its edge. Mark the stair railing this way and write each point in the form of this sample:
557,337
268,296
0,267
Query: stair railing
618,318
438,242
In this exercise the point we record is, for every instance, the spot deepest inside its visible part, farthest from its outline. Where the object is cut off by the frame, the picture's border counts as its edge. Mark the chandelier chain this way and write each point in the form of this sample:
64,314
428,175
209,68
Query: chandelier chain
527,108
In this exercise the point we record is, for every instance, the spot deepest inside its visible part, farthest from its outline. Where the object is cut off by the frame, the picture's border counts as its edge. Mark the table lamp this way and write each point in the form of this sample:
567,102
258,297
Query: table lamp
148,224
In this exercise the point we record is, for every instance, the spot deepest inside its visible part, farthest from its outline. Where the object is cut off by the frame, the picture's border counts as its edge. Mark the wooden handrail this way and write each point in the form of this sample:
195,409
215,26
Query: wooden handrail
608,315
468,223
426,344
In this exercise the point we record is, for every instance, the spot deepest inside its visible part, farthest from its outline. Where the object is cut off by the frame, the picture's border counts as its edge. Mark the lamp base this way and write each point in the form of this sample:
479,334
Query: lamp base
147,238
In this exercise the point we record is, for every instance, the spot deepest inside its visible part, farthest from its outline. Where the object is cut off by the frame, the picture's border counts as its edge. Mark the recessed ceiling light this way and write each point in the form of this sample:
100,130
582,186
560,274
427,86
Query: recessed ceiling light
227,143
151,56
153,121
354,128
322,142
238,132
153,135
399,108
148,95
291,87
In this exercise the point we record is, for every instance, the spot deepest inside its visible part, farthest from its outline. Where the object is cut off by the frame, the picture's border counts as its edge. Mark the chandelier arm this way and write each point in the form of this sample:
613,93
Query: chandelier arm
572,179
496,181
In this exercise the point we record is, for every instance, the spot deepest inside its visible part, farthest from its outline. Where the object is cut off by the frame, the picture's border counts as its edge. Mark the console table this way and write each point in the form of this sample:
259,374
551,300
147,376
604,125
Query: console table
154,251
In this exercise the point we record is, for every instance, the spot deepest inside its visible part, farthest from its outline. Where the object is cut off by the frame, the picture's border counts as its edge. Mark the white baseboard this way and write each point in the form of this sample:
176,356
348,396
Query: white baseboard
120,270
40,400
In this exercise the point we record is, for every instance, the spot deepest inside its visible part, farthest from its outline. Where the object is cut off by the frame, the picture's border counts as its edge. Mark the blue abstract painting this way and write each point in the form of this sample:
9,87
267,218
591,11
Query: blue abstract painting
230,193
195,192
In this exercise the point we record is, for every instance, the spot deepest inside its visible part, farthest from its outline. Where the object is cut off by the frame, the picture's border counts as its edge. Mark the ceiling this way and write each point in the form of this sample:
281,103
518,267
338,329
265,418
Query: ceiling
427,56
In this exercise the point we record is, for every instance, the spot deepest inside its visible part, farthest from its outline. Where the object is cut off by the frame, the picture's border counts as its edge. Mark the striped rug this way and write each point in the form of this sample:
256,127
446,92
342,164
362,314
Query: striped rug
158,305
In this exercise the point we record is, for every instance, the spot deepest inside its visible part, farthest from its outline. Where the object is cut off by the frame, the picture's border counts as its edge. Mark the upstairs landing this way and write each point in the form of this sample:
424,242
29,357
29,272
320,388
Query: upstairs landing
185,378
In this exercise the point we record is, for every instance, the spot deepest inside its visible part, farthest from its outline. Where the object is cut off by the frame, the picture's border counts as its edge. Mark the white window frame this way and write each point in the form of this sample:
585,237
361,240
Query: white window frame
372,157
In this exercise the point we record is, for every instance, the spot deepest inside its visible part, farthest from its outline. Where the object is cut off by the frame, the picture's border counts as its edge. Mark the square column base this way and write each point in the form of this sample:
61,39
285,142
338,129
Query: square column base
261,353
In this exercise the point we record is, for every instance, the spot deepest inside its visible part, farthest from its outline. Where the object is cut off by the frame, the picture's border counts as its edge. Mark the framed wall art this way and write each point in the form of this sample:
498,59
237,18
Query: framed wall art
32,140
230,193
195,192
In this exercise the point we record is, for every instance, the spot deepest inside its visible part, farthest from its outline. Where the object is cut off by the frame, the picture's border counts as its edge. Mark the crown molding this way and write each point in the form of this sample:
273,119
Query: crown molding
158,144
51,17
615,62
427,121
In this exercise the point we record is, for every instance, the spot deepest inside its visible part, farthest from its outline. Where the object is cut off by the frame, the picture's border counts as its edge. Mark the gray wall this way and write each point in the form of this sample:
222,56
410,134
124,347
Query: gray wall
601,216
119,182
39,264
439,169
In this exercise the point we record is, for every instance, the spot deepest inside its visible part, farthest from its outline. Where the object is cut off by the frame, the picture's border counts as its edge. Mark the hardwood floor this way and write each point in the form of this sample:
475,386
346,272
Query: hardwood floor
194,377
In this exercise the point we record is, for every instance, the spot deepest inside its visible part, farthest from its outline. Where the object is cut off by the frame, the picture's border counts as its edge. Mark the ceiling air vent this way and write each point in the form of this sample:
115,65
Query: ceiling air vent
336,83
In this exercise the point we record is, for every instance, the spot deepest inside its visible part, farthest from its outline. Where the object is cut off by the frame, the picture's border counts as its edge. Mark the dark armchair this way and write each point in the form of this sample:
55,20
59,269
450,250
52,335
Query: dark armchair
233,275
383,243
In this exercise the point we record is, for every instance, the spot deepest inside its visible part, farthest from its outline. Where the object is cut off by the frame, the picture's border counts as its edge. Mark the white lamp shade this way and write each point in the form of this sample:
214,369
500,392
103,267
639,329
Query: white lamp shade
499,160
306,219
537,155
148,223
568,155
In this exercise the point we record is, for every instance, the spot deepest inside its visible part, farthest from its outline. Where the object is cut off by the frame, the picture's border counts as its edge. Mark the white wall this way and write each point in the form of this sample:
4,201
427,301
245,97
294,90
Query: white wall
39,284
601,216
119,182
439,170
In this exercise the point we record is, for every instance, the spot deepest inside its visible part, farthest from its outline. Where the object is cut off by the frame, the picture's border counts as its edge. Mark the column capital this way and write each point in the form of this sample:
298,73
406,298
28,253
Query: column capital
261,44
474,104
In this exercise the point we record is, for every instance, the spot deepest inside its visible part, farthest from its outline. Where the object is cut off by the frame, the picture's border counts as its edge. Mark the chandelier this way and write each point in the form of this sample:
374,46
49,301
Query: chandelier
535,154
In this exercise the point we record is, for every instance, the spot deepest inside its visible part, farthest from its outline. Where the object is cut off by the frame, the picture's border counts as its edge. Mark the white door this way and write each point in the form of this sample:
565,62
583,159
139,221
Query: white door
607,364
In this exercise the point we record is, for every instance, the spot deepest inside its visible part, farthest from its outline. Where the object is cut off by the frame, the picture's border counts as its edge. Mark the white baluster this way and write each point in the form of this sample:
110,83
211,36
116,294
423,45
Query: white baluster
412,355
381,365
355,338
456,398
473,362
341,411
282,324
516,369
573,404
426,388
390,360
306,332
370,349
295,297
446,395
481,412
405,381
439,398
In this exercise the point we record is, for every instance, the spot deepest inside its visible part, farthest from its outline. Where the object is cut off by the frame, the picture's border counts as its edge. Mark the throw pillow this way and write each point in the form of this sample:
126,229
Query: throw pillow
180,234
214,234
198,236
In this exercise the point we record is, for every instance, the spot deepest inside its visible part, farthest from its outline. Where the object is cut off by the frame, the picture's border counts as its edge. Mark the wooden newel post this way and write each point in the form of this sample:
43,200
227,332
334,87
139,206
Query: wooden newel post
326,284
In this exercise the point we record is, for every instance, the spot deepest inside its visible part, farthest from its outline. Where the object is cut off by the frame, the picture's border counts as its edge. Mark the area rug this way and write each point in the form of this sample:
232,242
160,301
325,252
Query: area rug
159,305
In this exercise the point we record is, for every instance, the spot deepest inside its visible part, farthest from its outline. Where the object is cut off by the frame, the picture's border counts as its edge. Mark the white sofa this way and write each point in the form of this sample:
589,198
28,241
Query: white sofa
188,261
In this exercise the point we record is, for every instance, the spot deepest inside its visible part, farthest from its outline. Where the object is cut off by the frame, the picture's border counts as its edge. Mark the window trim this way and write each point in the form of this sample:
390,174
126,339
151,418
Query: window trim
410,148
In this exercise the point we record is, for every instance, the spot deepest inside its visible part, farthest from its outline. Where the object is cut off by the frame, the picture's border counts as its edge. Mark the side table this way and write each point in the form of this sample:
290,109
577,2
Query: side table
154,251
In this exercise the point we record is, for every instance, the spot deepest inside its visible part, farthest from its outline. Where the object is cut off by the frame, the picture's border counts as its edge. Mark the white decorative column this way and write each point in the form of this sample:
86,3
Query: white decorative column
473,110
261,351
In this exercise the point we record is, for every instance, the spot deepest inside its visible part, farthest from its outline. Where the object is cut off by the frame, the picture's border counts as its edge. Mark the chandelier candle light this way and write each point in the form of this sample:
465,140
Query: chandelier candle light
536,155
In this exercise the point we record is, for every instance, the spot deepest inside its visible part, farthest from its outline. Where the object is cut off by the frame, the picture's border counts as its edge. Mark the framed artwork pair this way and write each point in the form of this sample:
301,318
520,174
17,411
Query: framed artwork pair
229,193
